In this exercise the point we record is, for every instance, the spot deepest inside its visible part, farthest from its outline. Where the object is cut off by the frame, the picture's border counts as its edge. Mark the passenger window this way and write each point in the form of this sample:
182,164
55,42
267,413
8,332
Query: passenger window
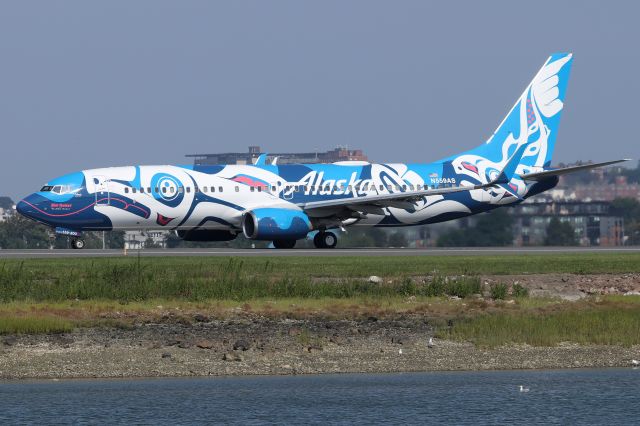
142,190
133,190
213,189
220,189
204,189
237,189
126,190
252,189
259,189
148,189
164,189
188,189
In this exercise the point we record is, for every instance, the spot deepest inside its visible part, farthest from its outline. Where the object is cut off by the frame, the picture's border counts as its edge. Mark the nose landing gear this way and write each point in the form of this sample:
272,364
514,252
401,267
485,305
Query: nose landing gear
324,239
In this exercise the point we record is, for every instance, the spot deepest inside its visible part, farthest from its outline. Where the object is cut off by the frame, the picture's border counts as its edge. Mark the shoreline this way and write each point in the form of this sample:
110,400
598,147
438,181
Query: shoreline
277,347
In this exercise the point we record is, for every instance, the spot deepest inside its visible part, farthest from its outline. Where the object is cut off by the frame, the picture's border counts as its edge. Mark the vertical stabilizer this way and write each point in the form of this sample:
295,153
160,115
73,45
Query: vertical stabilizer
533,121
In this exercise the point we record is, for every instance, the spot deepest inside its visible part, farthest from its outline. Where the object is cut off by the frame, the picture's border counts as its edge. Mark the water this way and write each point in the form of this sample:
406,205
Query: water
610,396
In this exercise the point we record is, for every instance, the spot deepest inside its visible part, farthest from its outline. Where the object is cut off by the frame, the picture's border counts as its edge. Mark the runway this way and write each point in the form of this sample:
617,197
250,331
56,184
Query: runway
366,252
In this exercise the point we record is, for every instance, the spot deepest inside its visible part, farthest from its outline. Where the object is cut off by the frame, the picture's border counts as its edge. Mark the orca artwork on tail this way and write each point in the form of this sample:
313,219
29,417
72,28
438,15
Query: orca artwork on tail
284,203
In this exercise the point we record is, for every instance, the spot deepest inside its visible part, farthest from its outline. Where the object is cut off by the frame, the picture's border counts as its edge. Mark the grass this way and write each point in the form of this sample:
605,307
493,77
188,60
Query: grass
498,291
608,322
34,325
231,280
54,295
237,278
357,266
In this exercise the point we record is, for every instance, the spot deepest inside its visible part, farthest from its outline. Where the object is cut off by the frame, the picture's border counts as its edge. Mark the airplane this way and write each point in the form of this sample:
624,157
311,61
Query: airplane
286,203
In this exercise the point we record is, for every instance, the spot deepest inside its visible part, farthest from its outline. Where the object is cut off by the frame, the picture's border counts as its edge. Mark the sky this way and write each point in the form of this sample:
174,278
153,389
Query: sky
95,84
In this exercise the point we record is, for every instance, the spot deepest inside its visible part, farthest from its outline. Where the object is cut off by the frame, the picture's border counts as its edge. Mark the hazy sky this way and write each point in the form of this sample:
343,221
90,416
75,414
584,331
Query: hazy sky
88,84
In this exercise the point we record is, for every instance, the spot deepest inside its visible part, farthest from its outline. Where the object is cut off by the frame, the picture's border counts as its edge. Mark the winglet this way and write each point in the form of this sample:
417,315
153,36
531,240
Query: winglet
261,160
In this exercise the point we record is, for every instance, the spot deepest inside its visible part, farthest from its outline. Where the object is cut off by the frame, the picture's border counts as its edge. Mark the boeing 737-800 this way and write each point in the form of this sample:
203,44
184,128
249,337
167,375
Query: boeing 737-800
284,203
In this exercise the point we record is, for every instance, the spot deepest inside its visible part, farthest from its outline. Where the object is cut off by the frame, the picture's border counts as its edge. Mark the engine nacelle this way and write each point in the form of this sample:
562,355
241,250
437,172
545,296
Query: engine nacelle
206,235
271,224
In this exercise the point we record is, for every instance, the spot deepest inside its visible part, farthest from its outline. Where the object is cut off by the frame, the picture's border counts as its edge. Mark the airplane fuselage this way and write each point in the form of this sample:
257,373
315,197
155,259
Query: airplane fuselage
283,203
215,197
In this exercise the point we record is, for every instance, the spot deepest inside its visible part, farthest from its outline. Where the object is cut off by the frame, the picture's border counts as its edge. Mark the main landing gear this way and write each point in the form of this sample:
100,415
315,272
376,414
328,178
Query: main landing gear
77,243
324,239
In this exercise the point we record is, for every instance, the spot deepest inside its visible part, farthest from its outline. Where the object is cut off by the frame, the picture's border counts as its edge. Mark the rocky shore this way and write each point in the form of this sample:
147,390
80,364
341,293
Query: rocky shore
254,346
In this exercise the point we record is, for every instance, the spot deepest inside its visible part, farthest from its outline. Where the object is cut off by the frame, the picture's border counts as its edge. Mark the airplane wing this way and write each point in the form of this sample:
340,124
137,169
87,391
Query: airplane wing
390,200
557,172
406,199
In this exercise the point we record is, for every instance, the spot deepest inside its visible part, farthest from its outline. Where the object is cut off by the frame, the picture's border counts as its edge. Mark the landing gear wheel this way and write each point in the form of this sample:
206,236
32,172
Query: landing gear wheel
284,244
77,244
325,240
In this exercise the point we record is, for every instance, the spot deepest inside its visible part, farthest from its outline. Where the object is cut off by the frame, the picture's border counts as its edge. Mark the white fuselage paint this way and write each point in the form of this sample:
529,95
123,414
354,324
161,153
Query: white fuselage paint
276,193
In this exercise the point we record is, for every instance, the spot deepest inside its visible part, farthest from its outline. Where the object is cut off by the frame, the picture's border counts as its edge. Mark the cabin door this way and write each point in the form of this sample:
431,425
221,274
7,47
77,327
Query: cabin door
101,186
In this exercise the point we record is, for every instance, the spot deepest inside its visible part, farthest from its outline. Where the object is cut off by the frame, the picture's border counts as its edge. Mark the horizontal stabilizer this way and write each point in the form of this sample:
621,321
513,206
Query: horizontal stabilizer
512,164
557,172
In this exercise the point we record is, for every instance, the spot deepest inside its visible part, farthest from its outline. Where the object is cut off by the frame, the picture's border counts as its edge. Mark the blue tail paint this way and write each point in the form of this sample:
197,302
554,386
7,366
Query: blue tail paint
534,120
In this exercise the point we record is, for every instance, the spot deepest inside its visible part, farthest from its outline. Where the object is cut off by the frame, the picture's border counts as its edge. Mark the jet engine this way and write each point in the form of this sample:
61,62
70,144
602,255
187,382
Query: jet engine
272,224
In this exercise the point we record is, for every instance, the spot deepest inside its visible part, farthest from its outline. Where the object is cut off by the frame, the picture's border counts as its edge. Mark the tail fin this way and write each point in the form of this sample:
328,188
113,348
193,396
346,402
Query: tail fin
534,120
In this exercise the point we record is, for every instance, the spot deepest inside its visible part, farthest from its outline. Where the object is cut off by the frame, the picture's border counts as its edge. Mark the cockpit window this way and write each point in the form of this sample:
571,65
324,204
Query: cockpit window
60,189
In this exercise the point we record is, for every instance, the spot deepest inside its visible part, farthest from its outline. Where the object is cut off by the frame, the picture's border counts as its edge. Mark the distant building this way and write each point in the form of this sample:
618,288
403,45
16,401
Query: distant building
603,184
249,157
605,191
592,221
134,240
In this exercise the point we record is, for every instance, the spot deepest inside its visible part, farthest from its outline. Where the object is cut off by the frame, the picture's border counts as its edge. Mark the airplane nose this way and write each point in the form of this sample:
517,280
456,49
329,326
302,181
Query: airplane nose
25,207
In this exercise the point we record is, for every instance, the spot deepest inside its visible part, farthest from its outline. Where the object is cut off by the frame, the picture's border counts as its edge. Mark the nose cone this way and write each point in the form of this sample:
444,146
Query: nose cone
26,207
